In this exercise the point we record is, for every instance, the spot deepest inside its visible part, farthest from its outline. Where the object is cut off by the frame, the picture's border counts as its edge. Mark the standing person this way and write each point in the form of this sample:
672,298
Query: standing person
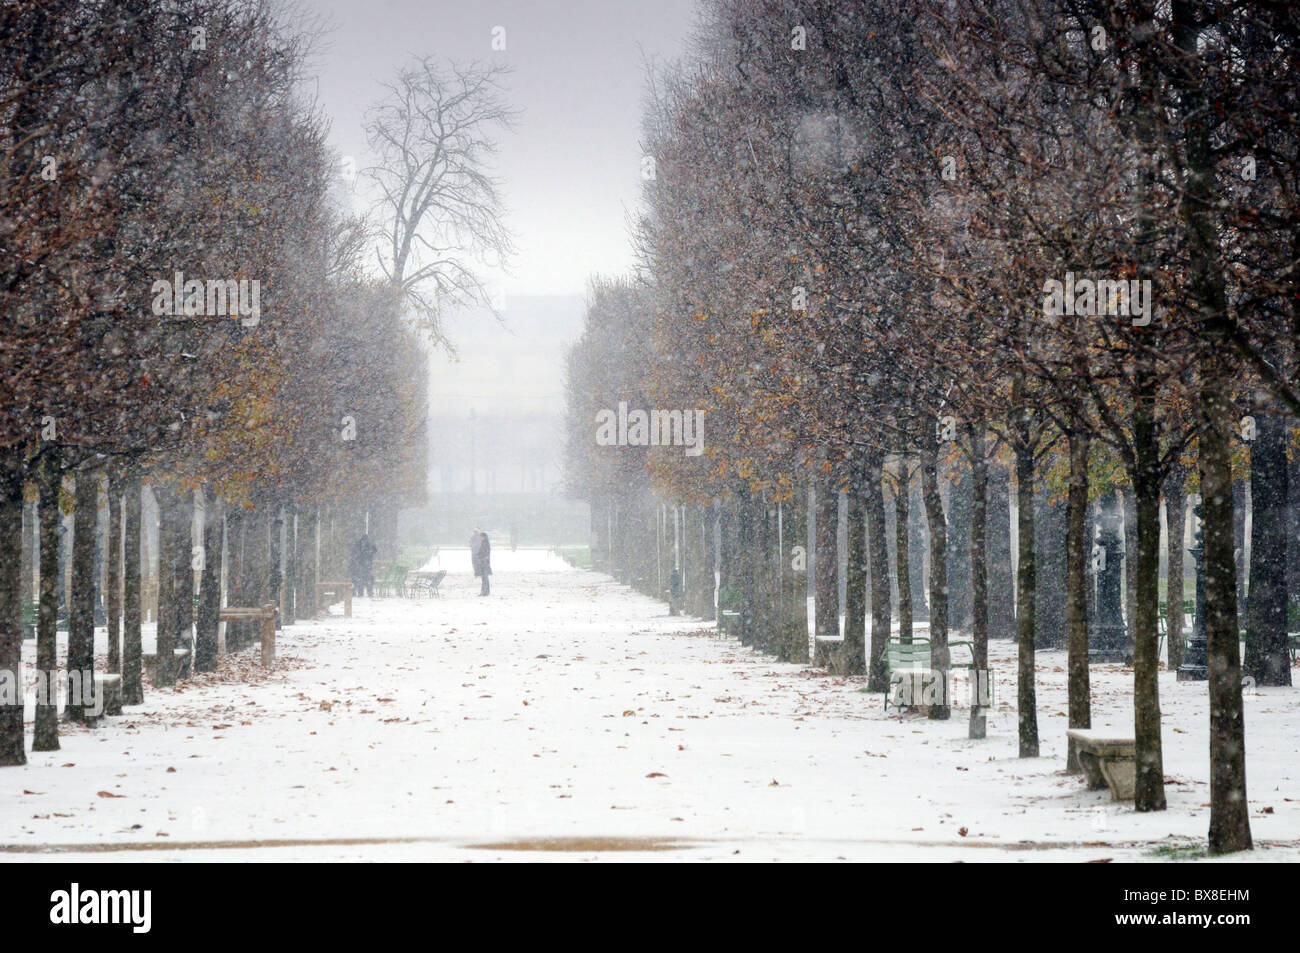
363,566
481,556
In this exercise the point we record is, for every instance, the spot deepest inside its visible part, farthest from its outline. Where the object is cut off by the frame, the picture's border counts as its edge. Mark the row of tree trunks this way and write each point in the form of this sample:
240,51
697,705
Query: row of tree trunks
178,559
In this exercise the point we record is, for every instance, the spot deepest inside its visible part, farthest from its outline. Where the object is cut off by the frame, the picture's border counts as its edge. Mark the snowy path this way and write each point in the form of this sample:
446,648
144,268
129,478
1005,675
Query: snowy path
565,706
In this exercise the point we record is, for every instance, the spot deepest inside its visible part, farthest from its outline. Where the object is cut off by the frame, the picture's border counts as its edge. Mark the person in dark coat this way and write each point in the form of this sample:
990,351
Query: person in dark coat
481,558
363,567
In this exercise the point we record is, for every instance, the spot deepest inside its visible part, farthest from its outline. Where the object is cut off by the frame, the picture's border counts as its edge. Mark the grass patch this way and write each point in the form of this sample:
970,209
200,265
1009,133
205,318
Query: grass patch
1180,852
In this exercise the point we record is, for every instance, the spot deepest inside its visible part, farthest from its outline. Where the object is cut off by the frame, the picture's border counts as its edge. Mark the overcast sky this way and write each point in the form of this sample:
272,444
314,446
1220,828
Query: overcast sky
571,171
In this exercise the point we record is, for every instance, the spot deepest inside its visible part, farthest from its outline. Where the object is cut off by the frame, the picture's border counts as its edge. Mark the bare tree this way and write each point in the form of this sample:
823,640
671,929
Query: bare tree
441,207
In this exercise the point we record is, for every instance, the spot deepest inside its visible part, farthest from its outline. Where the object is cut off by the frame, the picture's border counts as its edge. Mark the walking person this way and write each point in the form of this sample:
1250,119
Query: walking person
363,566
481,558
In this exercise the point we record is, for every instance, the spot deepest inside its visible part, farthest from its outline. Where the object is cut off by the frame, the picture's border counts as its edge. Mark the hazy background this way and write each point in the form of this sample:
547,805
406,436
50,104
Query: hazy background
570,174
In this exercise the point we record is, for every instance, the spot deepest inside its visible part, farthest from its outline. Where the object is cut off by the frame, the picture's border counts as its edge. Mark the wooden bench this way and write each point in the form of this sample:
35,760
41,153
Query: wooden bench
266,616
335,591
1108,760
730,621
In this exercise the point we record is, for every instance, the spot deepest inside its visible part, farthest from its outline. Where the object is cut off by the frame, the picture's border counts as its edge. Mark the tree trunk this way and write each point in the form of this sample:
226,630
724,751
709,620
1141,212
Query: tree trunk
1268,658
12,749
855,601
941,709
1002,585
45,737
1229,808
878,553
917,547
958,562
980,679
165,640
1130,558
289,598
275,558
1051,629
826,599
795,553
1076,561
902,551
747,544
1026,692
113,576
132,677
1150,788
308,571
207,622
81,612
1176,523
183,568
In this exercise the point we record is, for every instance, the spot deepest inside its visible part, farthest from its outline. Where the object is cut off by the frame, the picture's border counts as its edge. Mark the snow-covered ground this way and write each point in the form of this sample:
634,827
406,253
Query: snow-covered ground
569,717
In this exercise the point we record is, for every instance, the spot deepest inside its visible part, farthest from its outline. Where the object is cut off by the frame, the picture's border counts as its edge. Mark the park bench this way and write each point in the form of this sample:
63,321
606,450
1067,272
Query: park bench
265,616
426,584
1108,760
108,688
393,581
828,653
907,667
181,659
1294,637
730,621
335,591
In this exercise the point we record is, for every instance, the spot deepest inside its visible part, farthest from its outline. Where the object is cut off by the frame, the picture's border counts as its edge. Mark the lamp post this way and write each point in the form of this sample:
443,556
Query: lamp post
1195,667
1108,639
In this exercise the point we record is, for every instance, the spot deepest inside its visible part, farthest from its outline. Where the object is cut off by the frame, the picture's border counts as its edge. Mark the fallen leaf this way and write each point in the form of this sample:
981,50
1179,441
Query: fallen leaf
961,831
109,794
656,774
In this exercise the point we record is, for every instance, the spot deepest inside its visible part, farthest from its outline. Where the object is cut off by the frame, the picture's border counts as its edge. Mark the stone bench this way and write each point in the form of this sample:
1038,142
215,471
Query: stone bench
265,616
828,653
335,591
1108,760
108,694
181,661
